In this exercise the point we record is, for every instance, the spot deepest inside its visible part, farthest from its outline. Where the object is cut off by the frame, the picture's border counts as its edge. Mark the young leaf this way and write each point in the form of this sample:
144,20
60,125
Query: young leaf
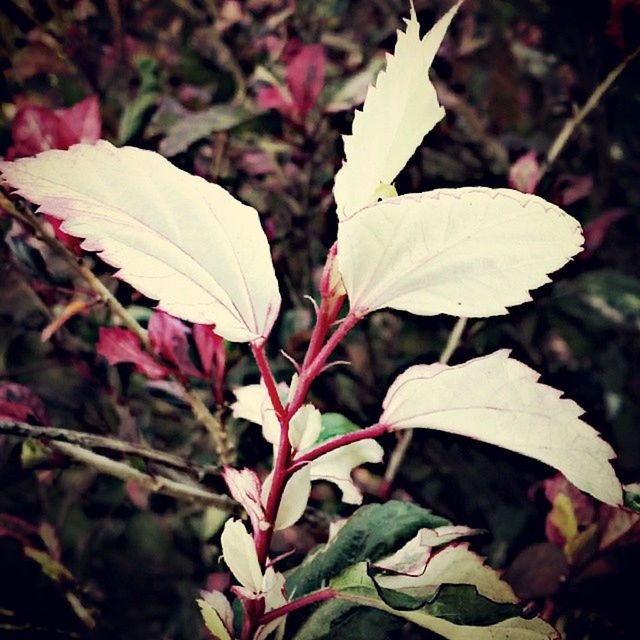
239,552
398,112
498,400
175,237
168,338
464,252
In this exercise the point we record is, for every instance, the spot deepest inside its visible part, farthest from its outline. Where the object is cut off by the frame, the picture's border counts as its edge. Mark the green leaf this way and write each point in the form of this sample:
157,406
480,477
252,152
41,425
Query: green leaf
451,611
334,425
371,533
632,496
192,127
458,603
341,619
134,113
612,295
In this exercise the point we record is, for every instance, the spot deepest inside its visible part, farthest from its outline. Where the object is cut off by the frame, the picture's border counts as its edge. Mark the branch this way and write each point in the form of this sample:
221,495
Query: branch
574,122
304,601
223,447
157,484
91,440
375,431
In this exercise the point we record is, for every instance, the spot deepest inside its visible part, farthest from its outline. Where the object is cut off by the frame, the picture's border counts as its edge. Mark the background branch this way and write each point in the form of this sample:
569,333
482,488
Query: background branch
221,442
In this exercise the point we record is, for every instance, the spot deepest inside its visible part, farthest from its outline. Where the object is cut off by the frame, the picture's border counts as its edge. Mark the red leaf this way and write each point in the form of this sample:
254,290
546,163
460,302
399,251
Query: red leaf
213,356
305,77
35,129
121,345
18,402
83,120
274,98
168,337
596,230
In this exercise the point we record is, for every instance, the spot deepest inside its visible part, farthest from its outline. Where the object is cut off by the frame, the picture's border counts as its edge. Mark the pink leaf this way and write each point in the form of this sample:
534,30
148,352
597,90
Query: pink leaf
596,231
83,120
274,98
18,402
212,353
169,340
121,345
35,129
525,173
305,77
73,244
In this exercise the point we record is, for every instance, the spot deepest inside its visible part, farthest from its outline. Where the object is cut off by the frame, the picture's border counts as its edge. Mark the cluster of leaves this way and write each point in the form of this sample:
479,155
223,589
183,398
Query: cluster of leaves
166,81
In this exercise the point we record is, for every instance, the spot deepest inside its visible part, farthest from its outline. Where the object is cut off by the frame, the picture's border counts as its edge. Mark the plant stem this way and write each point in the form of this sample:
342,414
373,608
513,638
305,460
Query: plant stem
375,431
311,598
221,443
574,122
156,484
283,454
314,367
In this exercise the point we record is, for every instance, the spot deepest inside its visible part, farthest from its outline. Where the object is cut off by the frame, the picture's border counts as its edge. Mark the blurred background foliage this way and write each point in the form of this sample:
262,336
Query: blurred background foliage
254,95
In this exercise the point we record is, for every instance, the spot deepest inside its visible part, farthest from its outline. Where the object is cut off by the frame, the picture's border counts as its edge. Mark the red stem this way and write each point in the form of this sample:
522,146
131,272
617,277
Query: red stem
374,431
282,460
314,368
317,596
327,314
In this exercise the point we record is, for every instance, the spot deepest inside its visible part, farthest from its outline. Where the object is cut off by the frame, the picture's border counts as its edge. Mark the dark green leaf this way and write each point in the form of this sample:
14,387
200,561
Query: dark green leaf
372,532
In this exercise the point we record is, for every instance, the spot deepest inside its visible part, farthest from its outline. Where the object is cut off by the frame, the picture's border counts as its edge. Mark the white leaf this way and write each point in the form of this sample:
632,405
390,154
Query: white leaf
175,237
398,112
239,552
294,497
217,614
337,465
304,427
498,400
412,558
213,620
464,252
454,565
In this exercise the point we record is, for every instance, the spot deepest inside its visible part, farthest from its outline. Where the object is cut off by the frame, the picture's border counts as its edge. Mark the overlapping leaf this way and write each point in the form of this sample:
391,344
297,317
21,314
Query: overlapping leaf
498,400
465,252
398,112
175,237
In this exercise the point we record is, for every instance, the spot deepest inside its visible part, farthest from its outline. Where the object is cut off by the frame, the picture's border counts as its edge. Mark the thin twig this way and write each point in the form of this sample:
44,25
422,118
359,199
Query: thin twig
222,445
574,122
157,484
93,441
400,450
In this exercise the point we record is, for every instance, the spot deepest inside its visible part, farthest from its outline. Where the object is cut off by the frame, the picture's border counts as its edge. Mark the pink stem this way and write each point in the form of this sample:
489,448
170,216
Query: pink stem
314,368
317,596
282,460
327,314
374,431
